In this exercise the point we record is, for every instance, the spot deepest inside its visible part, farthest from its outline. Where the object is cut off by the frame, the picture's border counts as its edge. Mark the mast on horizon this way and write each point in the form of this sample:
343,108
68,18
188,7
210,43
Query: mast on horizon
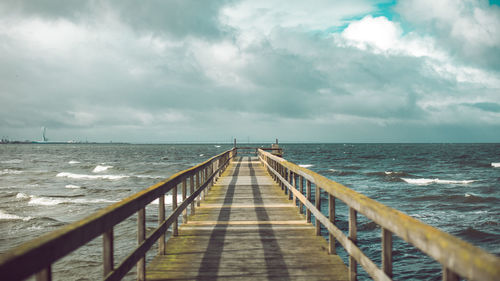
44,138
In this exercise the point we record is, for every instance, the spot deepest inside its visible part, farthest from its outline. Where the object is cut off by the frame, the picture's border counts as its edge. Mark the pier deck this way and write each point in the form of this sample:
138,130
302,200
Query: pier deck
246,229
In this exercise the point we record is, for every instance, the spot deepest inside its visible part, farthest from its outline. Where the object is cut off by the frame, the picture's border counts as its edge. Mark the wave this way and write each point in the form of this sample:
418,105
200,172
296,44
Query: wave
100,168
12,161
91,177
424,181
72,162
10,172
51,201
72,186
5,216
149,177
306,165
168,199
495,165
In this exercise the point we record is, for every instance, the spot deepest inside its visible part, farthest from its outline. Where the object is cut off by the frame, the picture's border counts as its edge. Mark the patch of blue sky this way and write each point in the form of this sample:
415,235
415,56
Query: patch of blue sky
495,2
382,8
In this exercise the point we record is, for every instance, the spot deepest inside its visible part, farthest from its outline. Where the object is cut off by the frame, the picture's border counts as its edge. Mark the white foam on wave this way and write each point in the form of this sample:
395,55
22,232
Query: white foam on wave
91,177
72,162
72,186
5,216
332,170
149,177
22,196
10,172
438,181
12,161
495,165
168,199
306,165
50,201
100,168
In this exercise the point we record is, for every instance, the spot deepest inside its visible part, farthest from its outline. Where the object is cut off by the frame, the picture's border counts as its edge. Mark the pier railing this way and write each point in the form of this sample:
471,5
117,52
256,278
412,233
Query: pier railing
458,258
37,256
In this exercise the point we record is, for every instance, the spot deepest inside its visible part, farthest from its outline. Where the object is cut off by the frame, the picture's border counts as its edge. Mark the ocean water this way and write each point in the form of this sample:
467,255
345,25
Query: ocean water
455,187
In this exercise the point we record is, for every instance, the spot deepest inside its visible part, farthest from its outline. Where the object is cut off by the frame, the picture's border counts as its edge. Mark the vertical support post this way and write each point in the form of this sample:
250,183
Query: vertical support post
191,191
44,274
285,176
317,200
107,251
301,184
161,219
141,236
353,265
198,187
290,180
184,196
282,173
203,180
175,228
331,216
387,252
449,275
308,194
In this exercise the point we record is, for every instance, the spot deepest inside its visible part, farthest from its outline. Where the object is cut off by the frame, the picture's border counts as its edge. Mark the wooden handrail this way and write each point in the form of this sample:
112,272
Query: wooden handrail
37,256
457,257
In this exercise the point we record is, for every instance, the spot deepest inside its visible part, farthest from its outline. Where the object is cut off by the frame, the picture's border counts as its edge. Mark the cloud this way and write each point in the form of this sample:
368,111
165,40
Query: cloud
168,71
470,29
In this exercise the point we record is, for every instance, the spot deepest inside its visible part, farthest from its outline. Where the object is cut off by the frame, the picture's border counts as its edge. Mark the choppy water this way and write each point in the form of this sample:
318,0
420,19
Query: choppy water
455,187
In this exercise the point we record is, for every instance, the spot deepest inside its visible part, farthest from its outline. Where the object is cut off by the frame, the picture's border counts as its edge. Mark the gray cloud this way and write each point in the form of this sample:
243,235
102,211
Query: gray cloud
172,71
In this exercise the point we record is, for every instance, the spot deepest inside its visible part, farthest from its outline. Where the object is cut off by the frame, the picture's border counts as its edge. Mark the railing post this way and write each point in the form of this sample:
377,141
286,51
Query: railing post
285,176
294,184
301,183
290,180
161,219
331,216
191,191
198,187
141,236
387,252
308,194
353,265
184,196
317,193
175,228
282,175
44,274
449,275
107,251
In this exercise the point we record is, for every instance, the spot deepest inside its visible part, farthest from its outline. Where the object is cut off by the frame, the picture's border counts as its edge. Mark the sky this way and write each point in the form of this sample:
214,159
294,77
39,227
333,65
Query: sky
255,70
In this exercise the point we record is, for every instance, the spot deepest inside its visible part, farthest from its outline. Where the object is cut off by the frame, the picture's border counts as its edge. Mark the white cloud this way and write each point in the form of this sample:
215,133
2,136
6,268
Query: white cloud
381,35
377,32
469,29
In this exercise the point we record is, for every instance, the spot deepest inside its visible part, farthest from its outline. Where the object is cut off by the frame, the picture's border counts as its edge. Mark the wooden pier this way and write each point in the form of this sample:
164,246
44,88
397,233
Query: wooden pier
246,229
249,218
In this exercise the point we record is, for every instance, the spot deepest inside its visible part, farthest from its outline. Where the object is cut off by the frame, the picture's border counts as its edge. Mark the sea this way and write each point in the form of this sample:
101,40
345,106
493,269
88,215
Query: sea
454,187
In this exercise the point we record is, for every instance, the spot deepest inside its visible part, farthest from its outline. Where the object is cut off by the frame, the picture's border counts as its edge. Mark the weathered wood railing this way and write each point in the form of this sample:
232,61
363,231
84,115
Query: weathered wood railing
37,256
457,257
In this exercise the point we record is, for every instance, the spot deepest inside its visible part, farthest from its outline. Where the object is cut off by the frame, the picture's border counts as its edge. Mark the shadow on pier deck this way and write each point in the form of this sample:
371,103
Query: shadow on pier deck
246,229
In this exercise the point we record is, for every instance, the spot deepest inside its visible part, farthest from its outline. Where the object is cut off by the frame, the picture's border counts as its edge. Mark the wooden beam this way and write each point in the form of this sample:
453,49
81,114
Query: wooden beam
387,252
107,251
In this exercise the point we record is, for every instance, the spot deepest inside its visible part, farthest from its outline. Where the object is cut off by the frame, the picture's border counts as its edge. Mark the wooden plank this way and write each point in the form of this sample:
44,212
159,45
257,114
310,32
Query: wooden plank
246,229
